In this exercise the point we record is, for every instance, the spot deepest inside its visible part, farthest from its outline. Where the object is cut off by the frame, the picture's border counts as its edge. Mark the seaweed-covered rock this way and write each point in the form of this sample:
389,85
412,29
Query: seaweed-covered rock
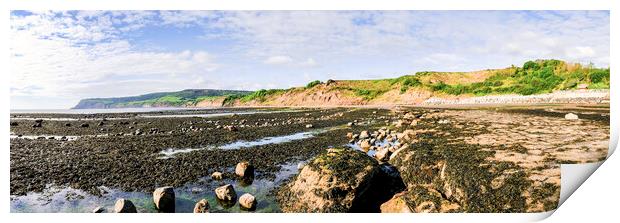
202,206
397,204
226,193
449,177
164,199
340,180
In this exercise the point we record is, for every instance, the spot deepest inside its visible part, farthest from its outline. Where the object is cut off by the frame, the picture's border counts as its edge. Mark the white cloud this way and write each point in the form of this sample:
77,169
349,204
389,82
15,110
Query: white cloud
94,53
278,60
58,57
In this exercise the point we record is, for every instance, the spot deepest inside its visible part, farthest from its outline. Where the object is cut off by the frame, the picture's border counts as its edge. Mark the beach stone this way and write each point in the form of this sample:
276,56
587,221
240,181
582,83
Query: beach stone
231,128
202,206
14,124
244,169
350,124
571,116
124,206
84,125
164,199
349,135
217,176
365,145
364,135
382,155
340,180
99,209
226,193
37,124
67,124
308,126
247,201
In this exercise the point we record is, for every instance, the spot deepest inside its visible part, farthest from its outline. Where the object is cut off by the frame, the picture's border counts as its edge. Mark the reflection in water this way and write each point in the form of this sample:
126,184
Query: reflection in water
55,199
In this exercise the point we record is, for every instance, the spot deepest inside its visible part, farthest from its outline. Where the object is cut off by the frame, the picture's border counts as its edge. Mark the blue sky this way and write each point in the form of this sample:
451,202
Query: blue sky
60,57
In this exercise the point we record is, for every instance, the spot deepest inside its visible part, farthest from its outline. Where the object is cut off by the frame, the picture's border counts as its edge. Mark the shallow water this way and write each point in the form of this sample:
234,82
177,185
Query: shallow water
55,199
171,152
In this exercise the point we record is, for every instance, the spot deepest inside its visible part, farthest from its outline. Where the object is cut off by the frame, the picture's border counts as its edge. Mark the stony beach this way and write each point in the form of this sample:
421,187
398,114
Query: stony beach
494,159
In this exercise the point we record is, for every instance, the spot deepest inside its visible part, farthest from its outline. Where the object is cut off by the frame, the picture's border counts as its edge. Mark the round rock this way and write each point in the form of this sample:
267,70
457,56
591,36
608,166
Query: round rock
247,201
124,206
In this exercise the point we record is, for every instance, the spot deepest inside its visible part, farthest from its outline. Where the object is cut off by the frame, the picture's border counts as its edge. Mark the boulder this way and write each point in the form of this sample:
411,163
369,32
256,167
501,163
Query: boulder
37,124
124,206
365,145
202,206
84,125
364,135
382,155
340,180
247,201
217,176
164,199
308,126
14,124
226,193
571,116
244,169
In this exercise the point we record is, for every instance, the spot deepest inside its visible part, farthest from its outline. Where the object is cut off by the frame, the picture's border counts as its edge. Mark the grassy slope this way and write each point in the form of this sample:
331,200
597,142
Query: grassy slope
534,77
188,97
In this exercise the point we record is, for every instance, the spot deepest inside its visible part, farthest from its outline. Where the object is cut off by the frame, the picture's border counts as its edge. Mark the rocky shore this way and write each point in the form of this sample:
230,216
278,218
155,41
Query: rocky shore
351,160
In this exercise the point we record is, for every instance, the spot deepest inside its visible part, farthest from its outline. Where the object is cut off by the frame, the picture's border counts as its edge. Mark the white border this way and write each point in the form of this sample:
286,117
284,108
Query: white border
283,5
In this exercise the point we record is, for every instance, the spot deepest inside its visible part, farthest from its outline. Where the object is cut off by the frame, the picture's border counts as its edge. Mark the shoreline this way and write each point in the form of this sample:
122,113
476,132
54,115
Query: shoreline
571,97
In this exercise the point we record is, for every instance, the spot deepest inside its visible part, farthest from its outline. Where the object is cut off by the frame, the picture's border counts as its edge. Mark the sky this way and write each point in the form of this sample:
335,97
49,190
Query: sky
60,57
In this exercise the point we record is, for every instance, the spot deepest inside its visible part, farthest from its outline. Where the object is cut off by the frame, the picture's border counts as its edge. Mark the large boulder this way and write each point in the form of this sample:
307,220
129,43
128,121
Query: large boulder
244,169
124,206
247,201
341,180
457,178
164,199
226,193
